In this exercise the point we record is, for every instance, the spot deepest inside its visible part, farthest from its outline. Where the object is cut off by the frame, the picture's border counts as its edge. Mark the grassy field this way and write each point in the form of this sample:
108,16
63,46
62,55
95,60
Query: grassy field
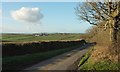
31,37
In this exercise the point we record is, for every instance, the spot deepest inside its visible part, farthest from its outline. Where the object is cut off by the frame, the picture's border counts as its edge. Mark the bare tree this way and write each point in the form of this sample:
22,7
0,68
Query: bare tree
97,12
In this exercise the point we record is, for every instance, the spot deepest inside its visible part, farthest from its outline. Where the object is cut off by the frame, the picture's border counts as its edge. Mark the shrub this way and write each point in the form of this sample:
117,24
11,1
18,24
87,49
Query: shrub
13,49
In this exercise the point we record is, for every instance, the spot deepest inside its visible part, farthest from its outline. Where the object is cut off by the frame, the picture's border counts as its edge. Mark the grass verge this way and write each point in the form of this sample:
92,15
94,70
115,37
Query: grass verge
20,62
85,57
101,65
86,63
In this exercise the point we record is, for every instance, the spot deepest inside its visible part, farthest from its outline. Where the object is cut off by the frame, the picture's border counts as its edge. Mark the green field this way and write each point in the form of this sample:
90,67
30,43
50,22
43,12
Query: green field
31,37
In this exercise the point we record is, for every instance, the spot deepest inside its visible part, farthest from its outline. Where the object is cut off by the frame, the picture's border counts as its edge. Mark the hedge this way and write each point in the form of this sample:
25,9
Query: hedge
14,49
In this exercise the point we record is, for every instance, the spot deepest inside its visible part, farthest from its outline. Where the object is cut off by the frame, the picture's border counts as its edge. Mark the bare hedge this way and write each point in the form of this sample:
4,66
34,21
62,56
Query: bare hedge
14,49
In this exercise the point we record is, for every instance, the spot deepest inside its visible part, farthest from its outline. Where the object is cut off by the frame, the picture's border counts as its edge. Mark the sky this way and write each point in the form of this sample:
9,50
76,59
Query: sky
39,17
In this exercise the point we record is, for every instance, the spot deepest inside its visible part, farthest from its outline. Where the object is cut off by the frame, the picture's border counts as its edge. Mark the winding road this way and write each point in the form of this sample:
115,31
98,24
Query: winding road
61,62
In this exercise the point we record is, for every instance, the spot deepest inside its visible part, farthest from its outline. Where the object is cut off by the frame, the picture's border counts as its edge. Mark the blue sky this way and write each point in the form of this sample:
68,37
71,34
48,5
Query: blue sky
57,17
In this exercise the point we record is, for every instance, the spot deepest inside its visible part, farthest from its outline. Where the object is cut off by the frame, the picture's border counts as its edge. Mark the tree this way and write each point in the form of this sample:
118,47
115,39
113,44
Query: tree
97,12
92,31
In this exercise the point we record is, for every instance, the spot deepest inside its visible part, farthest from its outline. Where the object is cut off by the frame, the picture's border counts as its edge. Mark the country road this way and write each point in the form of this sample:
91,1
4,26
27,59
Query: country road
61,62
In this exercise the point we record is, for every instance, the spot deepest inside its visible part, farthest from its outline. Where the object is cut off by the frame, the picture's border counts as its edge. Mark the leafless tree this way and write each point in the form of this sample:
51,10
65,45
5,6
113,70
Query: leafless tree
97,12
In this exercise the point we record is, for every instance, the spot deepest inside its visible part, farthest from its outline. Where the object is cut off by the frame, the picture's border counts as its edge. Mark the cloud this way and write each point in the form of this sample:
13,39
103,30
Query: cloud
27,14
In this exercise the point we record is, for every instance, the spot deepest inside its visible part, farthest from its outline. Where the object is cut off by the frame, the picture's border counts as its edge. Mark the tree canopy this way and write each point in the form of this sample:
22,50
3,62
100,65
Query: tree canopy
96,12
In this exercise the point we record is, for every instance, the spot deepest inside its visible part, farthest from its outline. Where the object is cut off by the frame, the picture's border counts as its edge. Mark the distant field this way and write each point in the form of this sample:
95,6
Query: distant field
31,37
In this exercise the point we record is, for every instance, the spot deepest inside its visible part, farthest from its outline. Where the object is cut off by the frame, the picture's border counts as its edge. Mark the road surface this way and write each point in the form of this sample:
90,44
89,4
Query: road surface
61,62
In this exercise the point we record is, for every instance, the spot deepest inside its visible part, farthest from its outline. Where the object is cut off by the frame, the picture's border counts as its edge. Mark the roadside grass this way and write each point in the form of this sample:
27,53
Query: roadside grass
101,65
19,62
86,63
85,57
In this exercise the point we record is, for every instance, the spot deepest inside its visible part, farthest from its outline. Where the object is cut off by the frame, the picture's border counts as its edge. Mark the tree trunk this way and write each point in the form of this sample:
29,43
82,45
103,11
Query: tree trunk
114,32
114,38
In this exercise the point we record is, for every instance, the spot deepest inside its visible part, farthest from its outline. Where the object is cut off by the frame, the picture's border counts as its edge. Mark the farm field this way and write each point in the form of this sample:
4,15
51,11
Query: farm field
32,37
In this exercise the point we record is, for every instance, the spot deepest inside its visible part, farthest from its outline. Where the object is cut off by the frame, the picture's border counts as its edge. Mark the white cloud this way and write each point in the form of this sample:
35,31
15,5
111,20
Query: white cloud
27,14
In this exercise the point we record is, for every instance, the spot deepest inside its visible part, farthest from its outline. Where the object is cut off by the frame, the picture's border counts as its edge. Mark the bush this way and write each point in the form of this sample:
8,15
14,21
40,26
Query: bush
14,49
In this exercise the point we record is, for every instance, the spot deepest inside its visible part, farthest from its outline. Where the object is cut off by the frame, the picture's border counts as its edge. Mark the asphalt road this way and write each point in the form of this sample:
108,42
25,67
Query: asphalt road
61,62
